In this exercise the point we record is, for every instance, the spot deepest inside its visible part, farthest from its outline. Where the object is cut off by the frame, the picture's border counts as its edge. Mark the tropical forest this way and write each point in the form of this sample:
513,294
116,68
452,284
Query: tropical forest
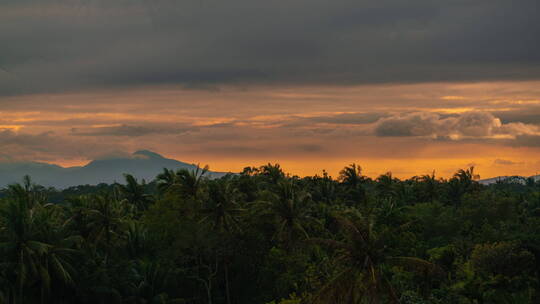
266,236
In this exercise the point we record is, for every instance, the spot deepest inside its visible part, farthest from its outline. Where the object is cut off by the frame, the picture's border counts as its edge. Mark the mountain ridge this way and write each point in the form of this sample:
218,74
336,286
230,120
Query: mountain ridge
143,164
507,178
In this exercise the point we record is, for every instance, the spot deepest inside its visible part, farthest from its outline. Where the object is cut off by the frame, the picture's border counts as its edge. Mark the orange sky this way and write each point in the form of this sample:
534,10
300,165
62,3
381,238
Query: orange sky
407,129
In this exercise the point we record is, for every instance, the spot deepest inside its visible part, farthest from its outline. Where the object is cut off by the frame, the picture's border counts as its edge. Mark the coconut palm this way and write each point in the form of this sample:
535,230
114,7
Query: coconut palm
105,216
455,191
165,180
430,186
75,213
183,181
147,283
363,258
463,181
351,175
137,239
222,207
325,189
27,193
188,182
289,208
134,193
467,178
223,210
35,250
467,175
386,186
273,172
191,181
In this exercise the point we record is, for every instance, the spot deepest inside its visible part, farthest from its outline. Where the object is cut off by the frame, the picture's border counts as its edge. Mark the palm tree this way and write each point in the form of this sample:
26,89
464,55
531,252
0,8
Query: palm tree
105,216
467,177
351,175
386,185
64,253
96,279
165,180
134,193
191,181
223,210
273,172
430,186
467,174
136,239
223,206
75,213
455,191
325,189
462,182
147,283
35,251
27,193
363,258
289,208
183,181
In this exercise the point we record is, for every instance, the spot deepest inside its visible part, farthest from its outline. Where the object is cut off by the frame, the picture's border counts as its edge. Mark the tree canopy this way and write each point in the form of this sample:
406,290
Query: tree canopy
264,236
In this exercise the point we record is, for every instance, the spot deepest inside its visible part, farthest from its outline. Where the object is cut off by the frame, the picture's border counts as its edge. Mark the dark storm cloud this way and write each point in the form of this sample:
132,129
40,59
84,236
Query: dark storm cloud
61,45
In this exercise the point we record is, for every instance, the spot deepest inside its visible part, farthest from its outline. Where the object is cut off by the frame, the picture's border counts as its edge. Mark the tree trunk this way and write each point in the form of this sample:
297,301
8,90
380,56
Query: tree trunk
227,291
209,292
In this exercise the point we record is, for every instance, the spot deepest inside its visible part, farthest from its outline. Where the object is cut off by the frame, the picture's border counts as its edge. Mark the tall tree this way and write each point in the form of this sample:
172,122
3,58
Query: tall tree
289,207
222,207
134,193
190,181
34,250
430,186
351,175
363,258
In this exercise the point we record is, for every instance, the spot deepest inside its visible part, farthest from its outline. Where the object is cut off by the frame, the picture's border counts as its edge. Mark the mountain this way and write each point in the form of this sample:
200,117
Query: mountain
142,164
508,179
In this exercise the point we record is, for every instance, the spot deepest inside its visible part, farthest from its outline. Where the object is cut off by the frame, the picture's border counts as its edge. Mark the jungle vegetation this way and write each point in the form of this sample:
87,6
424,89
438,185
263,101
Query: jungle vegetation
264,236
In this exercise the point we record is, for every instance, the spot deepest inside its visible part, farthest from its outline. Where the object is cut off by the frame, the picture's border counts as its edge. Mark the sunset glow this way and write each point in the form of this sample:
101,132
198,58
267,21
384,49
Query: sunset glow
305,129
392,87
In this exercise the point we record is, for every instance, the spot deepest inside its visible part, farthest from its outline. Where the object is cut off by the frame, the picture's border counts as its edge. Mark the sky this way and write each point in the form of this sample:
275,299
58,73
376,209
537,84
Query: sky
402,86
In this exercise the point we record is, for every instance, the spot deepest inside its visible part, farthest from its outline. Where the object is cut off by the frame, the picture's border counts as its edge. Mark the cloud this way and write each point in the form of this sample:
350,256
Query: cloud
310,148
72,45
131,131
474,124
256,124
114,154
348,118
416,124
47,146
520,113
526,141
10,138
505,162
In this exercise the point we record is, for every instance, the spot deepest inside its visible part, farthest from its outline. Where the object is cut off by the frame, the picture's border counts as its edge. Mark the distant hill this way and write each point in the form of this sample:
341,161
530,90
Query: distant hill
141,164
512,179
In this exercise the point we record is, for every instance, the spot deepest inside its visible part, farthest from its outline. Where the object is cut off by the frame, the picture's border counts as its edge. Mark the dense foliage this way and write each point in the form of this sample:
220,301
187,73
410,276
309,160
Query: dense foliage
263,236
